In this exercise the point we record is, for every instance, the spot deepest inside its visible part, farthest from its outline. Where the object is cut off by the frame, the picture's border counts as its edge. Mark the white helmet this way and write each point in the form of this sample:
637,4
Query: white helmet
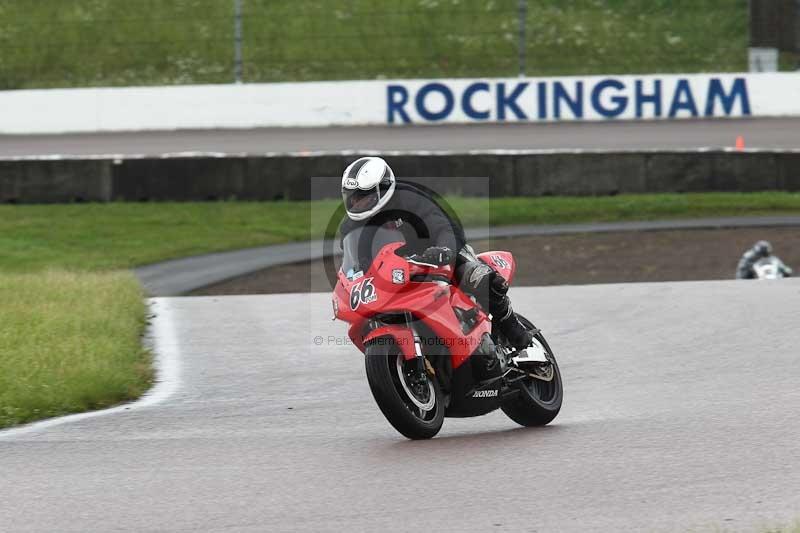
763,248
367,185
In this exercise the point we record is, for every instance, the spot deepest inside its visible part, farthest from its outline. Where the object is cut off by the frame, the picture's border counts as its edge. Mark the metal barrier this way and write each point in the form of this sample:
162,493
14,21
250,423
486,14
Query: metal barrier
289,177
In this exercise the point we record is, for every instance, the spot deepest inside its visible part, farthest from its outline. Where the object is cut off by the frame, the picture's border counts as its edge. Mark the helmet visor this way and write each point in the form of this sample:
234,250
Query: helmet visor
357,201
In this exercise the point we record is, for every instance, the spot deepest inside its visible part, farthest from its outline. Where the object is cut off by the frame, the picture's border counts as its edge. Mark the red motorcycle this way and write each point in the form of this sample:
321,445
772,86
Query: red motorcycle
420,334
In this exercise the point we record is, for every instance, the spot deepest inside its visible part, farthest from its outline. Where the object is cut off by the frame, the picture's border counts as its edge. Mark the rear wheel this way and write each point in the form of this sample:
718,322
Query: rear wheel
538,402
411,402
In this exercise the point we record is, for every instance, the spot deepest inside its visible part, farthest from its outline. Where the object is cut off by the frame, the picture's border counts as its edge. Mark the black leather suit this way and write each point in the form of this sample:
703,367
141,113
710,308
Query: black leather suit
417,212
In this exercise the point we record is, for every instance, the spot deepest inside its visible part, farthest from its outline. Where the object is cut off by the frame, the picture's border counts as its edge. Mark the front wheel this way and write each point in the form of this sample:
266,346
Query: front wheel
413,404
538,402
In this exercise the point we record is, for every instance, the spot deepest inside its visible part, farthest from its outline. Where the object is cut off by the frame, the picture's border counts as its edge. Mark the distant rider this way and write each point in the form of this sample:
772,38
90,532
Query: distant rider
373,197
760,250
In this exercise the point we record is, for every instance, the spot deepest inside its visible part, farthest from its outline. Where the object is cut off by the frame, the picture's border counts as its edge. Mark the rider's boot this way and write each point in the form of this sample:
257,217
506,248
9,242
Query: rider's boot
507,320
515,331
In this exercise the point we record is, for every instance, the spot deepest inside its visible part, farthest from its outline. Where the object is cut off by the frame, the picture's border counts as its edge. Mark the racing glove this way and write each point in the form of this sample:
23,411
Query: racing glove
438,255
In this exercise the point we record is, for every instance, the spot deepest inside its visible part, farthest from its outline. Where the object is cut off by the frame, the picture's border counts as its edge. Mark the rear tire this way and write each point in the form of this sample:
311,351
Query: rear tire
539,401
383,362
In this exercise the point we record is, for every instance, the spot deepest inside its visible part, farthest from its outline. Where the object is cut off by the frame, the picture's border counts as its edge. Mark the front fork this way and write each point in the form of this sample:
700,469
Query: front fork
404,333
406,336
419,356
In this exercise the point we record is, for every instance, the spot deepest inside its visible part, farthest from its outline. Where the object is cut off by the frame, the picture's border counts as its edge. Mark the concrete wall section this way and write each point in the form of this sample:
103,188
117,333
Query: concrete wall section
402,102
49,181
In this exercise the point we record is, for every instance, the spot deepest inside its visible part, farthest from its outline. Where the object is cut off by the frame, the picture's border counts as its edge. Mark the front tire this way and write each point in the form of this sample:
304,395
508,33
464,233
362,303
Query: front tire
538,402
415,411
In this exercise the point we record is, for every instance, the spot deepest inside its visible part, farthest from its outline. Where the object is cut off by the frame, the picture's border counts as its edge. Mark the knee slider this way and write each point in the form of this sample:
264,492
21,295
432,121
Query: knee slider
477,275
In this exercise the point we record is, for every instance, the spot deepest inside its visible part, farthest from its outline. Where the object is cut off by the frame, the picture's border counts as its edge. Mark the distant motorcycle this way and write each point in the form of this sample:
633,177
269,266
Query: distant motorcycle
420,332
771,268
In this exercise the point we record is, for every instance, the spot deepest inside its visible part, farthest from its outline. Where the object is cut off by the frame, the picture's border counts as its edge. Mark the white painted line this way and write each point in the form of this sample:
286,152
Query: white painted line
167,363
344,153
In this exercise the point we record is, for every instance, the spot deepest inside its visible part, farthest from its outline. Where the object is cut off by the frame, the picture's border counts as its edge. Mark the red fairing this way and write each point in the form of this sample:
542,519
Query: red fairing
462,301
386,289
403,336
502,262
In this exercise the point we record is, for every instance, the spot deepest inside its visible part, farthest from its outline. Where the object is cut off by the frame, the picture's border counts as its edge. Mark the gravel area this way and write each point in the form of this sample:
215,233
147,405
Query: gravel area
676,255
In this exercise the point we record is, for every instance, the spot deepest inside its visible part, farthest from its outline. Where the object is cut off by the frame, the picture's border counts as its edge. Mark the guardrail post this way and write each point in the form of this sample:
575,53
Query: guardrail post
237,41
522,13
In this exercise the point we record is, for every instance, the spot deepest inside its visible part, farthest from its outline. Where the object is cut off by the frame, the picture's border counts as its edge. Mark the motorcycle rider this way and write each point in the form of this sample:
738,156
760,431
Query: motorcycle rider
373,197
760,250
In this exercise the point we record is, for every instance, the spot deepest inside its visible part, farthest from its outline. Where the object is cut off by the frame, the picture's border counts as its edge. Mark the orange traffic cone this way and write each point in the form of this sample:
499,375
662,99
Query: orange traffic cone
739,143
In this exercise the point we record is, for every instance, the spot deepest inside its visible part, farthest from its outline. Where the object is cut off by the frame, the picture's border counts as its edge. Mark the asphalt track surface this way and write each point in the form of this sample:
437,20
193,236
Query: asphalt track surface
680,413
776,133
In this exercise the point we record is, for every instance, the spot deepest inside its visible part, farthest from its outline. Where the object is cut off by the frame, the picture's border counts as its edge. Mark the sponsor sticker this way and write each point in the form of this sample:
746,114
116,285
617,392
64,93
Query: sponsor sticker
362,292
500,261
352,276
398,276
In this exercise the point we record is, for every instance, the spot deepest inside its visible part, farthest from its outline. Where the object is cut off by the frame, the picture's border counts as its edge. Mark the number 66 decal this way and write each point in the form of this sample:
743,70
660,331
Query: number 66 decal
362,292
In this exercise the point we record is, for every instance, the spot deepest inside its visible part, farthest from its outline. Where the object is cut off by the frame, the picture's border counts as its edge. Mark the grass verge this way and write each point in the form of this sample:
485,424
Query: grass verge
69,342
565,210
71,318
101,237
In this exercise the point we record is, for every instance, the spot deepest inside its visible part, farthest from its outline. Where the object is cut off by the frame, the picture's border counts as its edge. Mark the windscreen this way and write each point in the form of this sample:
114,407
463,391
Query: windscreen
361,245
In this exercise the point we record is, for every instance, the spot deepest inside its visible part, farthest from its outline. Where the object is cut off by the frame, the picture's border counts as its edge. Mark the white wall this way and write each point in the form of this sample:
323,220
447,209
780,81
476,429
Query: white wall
415,101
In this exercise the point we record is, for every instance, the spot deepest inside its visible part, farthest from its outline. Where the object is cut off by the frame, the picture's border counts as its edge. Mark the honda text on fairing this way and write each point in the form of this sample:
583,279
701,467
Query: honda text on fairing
420,334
